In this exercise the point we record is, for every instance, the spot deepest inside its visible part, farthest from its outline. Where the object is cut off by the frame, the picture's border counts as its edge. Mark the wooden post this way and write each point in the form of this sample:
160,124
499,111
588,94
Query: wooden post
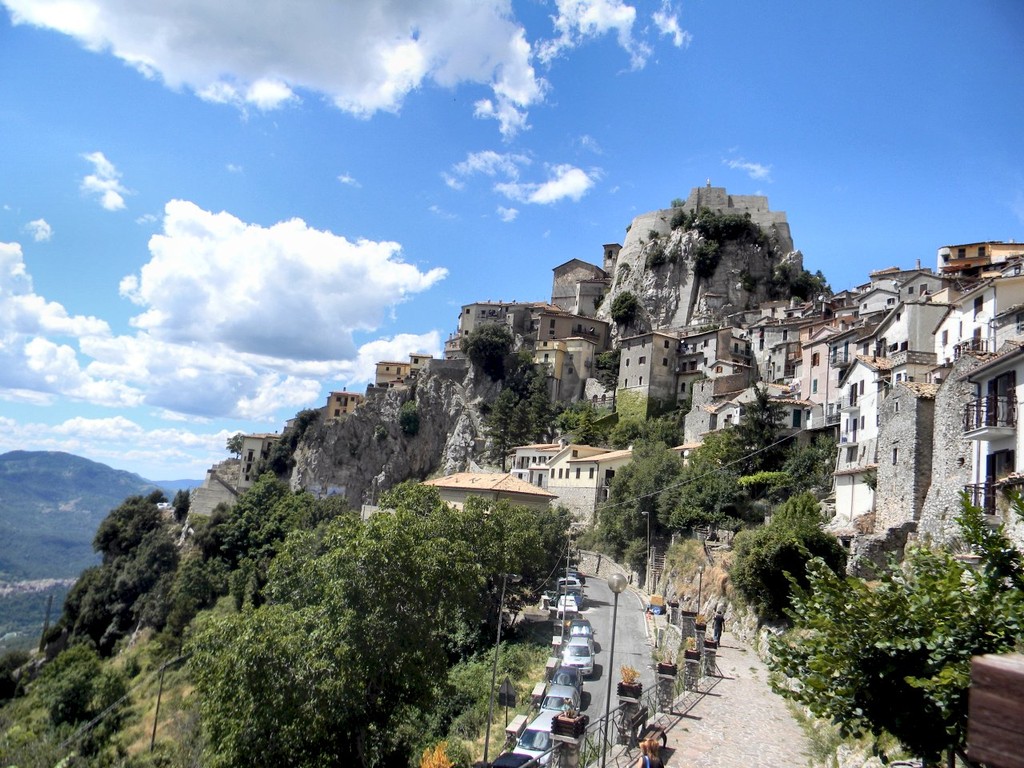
156,715
995,719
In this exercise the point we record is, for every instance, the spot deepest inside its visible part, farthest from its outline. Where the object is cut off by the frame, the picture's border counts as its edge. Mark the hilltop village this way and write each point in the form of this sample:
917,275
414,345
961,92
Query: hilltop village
914,373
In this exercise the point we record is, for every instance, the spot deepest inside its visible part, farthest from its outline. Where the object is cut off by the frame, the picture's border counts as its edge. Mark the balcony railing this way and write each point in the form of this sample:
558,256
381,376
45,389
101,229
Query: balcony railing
982,495
992,411
839,358
971,345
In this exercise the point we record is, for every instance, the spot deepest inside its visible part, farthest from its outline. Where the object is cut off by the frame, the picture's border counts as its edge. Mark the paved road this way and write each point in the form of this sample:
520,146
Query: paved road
631,645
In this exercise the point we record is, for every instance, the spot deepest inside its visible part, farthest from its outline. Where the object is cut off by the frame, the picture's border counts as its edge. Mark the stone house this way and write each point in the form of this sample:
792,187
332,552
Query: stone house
569,363
647,374
989,309
577,287
458,488
547,323
904,453
255,451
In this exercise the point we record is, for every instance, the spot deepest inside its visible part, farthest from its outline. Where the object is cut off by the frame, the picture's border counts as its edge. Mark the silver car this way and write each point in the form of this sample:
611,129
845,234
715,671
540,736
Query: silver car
560,698
579,653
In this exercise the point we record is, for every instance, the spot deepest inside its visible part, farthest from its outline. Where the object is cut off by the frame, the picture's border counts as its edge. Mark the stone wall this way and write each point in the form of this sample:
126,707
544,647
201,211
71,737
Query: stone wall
951,456
219,486
698,420
904,455
578,499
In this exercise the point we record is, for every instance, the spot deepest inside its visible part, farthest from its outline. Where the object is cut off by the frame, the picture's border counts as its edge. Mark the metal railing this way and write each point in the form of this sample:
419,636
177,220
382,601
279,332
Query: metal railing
990,411
982,495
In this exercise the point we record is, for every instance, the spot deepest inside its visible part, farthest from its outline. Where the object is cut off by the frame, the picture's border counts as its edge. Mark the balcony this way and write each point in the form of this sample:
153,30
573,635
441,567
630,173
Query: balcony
971,345
840,359
982,495
833,413
990,418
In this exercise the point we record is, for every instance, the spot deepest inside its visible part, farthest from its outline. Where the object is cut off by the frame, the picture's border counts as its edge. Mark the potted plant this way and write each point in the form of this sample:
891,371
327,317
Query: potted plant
690,652
667,666
569,723
629,686
701,622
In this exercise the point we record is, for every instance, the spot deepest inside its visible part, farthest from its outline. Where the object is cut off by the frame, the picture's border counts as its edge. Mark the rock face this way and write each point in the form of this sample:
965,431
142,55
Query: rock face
656,264
367,452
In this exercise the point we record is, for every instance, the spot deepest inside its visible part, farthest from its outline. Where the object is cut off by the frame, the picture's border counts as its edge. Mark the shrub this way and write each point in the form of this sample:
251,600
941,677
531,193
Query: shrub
705,259
409,418
487,347
625,308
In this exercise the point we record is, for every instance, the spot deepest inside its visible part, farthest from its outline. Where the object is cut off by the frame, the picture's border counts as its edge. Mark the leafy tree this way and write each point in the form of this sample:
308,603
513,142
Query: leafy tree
758,433
281,459
580,420
508,424
487,347
636,492
234,444
625,308
666,429
810,466
894,657
182,502
606,368
409,418
772,559
708,490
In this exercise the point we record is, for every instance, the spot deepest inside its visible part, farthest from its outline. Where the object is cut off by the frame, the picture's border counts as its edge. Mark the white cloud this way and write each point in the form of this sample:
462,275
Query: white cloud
590,143
441,213
232,168
147,218
755,171
286,291
567,181
363,56
490,163
667,21
40,230
104,182
580,20
364,368
507,214
348,180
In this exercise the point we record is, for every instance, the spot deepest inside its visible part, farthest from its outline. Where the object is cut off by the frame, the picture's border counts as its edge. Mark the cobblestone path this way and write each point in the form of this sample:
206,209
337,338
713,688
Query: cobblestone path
740,722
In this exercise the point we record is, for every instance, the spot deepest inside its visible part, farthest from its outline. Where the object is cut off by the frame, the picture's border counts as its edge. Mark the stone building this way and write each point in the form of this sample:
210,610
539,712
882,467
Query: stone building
341,404
577,287
904,454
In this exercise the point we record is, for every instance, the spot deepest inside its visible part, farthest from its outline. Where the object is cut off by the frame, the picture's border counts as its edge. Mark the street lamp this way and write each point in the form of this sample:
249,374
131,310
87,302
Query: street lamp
617,584
700,584
494,670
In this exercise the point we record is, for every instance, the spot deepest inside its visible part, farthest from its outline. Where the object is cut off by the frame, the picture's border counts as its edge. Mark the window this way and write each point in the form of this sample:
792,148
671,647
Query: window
890,302
592,473
796,419
961,253
860,387
682,386
664,361
862,422
814,386
851,454
552,325
899,316
896,406
718,369
641,382
666,343
577,473
945,338
1019,320
981,251
785,335
337,412
815,360
895,455
924,289
642,360
910,290
978,304
713,422
627,362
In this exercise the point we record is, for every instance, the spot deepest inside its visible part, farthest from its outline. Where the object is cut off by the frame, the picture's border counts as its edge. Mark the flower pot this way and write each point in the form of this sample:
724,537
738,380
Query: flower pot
631,691
574,726
667,668
691,655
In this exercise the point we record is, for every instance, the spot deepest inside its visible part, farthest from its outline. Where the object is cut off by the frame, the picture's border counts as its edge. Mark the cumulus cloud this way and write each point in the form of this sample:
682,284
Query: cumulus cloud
755,171
364,57
580,20
507,214
40,230
567,181
104,182
667,22
348,180
287,291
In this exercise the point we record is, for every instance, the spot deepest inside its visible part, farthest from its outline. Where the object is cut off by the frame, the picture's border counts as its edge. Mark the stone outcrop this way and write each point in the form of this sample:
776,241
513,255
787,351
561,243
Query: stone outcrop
656,264
367,452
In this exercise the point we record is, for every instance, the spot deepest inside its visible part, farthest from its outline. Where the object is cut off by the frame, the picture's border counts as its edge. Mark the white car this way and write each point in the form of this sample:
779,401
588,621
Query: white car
566,606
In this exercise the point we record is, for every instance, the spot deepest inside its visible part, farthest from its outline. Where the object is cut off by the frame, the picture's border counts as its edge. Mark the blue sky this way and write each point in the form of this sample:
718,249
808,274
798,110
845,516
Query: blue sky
212,214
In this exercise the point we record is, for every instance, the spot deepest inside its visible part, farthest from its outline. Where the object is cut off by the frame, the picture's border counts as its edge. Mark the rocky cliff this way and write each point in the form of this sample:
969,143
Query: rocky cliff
367,452
661,264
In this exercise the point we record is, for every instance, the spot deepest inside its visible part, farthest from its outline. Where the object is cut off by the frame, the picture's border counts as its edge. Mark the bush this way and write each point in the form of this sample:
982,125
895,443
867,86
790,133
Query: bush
487,347
625,308
705,259
766,558
409,418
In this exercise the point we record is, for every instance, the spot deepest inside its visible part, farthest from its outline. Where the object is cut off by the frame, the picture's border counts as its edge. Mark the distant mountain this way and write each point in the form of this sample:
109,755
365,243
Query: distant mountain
51,504
170,487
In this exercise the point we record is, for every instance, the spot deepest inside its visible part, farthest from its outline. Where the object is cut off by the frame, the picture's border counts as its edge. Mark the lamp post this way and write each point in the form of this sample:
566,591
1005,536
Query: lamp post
650,569
700,584
617,584
494,670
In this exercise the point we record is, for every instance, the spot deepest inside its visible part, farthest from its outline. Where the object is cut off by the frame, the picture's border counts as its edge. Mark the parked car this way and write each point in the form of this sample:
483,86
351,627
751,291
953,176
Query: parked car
570,582
510,760
566,606
560,698
536,739
579,575
580,627
570,676
579,653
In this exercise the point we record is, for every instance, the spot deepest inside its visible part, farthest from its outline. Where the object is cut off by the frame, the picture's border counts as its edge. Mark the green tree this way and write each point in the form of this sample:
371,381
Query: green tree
708,490
811,466
625,308
606,368
758,433
580,420
182,502
637,491
487,347
234,444
409,418
894,657
772,559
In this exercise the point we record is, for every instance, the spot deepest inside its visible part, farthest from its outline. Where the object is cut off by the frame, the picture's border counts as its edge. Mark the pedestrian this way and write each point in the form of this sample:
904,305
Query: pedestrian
717,624
650,755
